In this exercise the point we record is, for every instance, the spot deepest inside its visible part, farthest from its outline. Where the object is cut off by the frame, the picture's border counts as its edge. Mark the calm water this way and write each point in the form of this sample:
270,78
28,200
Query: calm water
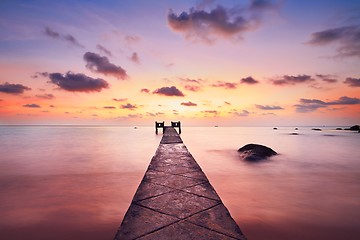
77,182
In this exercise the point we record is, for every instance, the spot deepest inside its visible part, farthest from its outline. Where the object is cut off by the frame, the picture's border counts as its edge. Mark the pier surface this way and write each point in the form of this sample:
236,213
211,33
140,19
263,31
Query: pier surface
175,200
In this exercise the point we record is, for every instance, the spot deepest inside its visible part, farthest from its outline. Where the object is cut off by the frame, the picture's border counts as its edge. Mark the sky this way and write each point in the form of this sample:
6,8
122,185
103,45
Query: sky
204,63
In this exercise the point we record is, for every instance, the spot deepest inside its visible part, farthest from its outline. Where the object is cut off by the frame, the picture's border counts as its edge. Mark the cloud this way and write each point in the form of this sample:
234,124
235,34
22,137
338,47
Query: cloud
149,114
103,50
32,105
193,85
188,104
243,113
68,38
310,105
169,91
99,64
145,90
45,96
137,115
219,22
119,99
109,107
353,82
267,107
226,85
292,80
131,39
227,103
128,106
249,80
327,78
135,58
346,37
13,88
77,82
213,112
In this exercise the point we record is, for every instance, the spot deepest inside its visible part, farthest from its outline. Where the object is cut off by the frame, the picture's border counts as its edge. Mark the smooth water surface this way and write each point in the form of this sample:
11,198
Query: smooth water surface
76,182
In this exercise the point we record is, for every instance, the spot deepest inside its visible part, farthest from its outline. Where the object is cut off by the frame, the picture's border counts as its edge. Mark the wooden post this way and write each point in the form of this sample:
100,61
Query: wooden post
176,124
159,125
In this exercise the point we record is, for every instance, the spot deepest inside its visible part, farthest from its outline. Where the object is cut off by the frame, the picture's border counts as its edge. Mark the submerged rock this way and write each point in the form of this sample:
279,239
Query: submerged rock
354,128
255,152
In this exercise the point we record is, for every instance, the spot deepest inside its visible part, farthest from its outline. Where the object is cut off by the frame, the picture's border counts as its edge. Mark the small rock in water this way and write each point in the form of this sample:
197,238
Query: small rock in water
354,128
255,152
338,128
316,129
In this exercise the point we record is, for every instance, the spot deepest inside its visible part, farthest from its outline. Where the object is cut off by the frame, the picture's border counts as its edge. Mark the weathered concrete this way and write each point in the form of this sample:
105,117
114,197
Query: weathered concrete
175,200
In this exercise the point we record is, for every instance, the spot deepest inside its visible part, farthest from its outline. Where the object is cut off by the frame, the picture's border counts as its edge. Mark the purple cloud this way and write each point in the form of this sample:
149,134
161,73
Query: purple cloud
145,90
103,50
77,82
310,105
292,80
347,37
327,78
226,85
128,106
68,38
99,64
119,99
32,105
188,104
45,96
109,107
249,80
135,58
10,88
219,22
243,113
267,107
149,114
352,82
169,91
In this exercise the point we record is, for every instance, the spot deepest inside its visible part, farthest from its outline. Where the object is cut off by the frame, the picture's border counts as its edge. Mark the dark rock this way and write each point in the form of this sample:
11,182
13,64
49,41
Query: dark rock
317,129
255,152
275,128
338,128
354,128
296,129
293,134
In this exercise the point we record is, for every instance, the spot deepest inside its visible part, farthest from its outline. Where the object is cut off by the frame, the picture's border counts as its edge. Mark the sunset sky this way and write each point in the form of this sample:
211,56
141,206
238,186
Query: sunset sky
227,63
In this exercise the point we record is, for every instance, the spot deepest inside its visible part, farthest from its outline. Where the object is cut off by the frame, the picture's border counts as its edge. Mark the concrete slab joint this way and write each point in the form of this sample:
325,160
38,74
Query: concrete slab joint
175,200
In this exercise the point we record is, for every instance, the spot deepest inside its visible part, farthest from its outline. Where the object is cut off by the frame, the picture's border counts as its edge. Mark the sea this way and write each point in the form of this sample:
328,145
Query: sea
77,182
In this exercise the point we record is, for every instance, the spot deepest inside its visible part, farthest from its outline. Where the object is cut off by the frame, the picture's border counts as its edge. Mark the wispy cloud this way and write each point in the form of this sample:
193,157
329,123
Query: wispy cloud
103,50
169,91
65,37
327,78
193,85
310,105
32,105
243,113
149,114
13,88
268,107
77,82
120,99
346,37
99,64
226,85
188,104
45,96
129,106
109,107
352,82
292,80
145,90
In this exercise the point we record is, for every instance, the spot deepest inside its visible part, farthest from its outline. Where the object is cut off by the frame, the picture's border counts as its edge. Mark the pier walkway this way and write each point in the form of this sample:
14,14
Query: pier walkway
175,200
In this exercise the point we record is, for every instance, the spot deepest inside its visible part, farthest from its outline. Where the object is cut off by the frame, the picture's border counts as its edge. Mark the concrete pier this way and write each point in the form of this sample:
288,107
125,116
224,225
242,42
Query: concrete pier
175,200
